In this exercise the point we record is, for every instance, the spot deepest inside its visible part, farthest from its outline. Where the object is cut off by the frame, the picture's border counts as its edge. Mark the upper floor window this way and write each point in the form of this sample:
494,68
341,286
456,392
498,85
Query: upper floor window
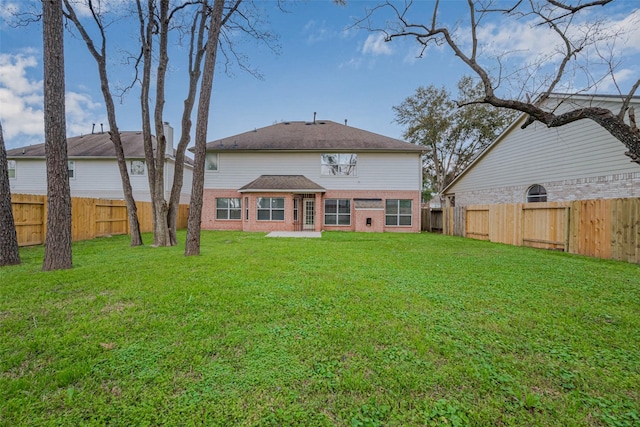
270,208
211,162
398,212
11,164
71,166
340,164
228,208
337,212
536,193
137,167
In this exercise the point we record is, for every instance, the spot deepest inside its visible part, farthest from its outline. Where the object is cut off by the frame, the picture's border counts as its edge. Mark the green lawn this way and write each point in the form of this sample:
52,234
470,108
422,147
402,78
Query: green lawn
352,329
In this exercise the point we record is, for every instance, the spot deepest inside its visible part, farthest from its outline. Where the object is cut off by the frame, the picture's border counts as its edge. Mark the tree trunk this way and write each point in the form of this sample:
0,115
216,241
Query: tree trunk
57,253
192,246
9,254
196,54
101,61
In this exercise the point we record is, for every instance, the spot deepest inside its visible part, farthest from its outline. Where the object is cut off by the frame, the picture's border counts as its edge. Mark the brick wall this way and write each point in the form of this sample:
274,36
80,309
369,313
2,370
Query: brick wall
358,217
624,185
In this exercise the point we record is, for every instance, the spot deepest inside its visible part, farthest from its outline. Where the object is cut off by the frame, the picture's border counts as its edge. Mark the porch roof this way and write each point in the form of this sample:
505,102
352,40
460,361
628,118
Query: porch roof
282,184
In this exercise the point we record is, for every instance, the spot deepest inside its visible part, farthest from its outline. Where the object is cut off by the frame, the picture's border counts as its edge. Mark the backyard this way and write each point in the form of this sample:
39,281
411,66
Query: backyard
353,329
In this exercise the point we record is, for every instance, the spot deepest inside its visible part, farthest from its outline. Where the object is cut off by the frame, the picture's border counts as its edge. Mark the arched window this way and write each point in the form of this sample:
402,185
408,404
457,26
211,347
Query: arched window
536,193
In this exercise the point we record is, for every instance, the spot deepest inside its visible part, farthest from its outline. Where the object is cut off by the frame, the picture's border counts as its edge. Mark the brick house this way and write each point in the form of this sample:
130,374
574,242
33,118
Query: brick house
320,175
578,161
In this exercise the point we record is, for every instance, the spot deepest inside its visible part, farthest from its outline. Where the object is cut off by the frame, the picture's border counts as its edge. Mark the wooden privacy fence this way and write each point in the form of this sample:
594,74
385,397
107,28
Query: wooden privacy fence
608,228
89,218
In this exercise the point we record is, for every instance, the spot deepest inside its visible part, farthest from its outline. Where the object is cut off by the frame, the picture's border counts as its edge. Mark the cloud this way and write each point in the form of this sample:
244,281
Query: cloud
21,98
375,45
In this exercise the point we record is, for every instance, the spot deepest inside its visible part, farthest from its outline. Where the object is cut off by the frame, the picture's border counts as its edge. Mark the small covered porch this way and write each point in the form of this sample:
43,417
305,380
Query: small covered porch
284,203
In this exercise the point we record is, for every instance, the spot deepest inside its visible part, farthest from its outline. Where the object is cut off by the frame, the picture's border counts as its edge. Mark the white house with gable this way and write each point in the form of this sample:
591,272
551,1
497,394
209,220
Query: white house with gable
93,167
578,161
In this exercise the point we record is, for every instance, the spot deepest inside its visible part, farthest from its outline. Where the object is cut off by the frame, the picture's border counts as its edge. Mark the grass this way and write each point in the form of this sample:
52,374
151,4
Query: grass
352,330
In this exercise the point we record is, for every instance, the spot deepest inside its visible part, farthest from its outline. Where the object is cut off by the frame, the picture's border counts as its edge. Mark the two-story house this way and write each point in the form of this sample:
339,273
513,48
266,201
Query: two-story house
319,175
93,167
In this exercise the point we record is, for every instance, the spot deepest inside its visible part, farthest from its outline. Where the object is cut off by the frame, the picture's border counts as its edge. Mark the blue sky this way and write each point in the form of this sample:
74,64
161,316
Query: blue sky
324,66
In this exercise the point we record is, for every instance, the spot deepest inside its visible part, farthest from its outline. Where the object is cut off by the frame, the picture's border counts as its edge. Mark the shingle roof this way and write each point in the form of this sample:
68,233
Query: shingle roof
276,183
310,136
92,146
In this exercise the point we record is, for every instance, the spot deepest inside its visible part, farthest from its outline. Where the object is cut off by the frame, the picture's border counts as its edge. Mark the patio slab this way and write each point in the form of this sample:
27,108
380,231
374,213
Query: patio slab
311,234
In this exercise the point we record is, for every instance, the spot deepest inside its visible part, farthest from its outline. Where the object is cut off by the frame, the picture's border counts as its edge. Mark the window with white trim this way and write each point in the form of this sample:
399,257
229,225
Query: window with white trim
398,212
137,167
270,208
337,212
536,193
211,162
228,208
338,164
71,166
11,164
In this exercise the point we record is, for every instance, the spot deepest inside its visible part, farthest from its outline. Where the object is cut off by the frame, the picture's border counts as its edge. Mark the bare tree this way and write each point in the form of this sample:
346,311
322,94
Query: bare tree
156,22
573,50
9,254
451,136
100,57
57,253
192,246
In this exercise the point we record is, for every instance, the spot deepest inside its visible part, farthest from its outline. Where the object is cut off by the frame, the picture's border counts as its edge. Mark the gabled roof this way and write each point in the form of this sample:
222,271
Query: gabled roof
278,183
95,145
92,145
320,135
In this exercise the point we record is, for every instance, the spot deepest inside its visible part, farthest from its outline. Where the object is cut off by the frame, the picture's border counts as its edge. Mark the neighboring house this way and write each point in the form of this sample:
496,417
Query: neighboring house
318,175
93,167
578,161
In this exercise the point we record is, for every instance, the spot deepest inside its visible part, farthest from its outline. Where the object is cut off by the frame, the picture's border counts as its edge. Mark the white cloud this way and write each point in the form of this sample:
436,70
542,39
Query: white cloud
8,9
375,45
21,103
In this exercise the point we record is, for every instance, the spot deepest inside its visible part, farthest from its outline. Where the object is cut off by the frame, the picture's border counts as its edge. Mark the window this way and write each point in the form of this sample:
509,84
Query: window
71,166
296,202
337,212
228,208
137,167
246,209
12,168
536,193
338,164
211,162
398,212
270,208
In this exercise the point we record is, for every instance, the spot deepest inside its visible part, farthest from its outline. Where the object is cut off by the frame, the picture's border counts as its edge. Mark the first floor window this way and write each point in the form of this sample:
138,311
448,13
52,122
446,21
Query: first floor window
337,212
398,212
536,193
71,165
211,162
137,167
228,208
270,208
12,168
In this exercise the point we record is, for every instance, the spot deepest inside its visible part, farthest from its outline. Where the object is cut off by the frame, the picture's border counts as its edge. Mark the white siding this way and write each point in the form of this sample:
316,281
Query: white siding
375,171
93,178
31,177
538,154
